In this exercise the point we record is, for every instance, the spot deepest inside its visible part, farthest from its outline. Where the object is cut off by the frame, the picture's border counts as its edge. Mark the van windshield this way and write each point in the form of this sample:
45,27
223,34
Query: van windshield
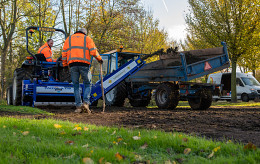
250,81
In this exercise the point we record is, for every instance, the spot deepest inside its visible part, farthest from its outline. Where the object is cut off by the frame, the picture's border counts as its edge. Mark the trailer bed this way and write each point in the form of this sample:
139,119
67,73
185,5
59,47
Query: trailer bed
181,67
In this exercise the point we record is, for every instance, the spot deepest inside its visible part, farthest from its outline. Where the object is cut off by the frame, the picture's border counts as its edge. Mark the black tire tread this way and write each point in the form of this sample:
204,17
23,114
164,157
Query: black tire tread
21,74
205,100
173,96
120,95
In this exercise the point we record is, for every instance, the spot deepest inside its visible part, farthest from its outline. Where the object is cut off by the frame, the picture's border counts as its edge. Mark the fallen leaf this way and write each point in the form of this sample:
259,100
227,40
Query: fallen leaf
168,162
138,157
187,151
25,133
250,146
88,161
185,139
113,133
211,155
70,156
69,142
77,128
119,156
100,160
85,145
216,149
180,160
114,142
57,126
136,138
62,133
144,146
119,139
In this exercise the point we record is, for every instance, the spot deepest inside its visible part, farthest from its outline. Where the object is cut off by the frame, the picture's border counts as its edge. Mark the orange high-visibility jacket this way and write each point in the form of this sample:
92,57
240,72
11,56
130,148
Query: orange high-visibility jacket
78,48
46,51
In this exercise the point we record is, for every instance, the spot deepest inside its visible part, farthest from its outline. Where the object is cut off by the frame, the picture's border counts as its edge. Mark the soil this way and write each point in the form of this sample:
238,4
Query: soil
239,124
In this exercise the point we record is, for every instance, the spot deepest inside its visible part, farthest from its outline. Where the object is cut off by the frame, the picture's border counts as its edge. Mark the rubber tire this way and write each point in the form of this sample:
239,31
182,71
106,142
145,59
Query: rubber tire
64,75
94,104
203,102
117,96
244,97
9,95
141,102
167,96
20,74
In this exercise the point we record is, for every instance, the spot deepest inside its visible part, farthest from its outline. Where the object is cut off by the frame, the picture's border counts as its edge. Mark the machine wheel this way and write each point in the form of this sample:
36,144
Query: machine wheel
116,96
19,75
64,75
9,95
244,97
94,103
141,102
167,96
202,101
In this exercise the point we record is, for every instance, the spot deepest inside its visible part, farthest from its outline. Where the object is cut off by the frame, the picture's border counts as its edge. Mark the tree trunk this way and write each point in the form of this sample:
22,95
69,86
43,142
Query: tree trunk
254,72
3,58
233,81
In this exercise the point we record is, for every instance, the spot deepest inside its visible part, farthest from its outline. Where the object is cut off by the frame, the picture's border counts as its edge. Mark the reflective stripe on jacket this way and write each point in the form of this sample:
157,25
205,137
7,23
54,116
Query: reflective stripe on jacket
78,48
46,51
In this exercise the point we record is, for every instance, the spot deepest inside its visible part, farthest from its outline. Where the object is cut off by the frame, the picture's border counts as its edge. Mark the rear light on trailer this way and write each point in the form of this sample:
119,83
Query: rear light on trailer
29,58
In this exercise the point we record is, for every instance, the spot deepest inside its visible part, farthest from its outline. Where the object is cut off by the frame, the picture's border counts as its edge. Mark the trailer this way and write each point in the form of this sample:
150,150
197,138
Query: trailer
168,77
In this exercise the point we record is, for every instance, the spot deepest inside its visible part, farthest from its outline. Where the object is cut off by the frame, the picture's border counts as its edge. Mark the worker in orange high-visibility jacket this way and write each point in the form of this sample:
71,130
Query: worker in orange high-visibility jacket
46,50
76,54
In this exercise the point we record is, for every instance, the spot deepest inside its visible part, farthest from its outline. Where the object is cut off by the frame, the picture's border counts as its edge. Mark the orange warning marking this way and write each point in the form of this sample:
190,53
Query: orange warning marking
207,66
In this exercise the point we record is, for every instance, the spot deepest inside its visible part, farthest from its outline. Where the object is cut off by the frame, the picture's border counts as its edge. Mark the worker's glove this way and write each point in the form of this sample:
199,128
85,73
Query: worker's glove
100,61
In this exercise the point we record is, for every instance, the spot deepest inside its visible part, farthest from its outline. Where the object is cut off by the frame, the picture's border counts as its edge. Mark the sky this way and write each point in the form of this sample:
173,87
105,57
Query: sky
171,15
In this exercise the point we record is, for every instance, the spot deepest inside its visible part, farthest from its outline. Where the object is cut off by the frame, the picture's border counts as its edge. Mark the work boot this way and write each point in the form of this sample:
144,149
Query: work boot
78,109
86,107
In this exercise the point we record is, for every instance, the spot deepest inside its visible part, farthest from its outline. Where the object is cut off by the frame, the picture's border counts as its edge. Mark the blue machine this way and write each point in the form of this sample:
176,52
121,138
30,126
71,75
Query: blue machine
41,83
39,90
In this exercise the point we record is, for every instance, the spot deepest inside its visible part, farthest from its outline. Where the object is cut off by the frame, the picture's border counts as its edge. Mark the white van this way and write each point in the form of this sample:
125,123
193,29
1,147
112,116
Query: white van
248,88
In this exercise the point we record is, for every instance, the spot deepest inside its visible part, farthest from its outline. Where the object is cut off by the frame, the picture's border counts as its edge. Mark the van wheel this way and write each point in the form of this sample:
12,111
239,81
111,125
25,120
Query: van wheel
244,97
202,101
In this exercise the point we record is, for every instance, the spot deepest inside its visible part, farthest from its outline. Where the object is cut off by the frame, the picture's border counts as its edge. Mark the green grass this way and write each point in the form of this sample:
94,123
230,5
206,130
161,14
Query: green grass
39,141
23,109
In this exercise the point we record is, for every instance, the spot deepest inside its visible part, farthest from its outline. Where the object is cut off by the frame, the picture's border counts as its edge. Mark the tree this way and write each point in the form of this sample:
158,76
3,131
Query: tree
234,21
8,20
